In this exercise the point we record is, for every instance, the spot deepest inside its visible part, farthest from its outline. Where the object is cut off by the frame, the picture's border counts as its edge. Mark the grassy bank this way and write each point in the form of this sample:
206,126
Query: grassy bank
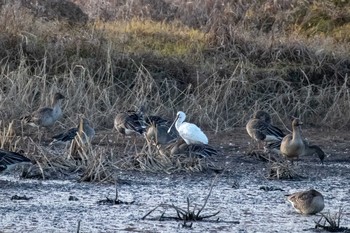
215,60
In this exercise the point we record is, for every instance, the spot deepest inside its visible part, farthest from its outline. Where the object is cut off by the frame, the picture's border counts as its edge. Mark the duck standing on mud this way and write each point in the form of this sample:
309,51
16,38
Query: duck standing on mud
293,145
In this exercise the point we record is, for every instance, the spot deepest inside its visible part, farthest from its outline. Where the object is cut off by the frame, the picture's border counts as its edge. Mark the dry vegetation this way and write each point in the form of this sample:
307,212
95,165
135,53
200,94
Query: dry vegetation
331,222
216,60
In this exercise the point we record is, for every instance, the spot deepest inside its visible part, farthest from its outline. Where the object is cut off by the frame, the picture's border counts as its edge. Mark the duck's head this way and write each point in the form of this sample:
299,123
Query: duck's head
262,115
58,96
297,122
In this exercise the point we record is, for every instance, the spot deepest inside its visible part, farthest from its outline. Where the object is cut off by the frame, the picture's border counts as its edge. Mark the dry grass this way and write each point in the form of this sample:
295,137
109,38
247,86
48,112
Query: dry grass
331,223
282,170
106,66
90,163
8,139
218,61
151,160
190,214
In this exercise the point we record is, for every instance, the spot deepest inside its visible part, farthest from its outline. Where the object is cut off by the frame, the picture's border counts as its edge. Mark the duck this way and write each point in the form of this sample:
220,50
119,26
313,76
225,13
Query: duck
9,159
314,149
130,122
46,116
70,134
180,147
156,120
307,202
294,146
260,129
158,134
189,132
200,150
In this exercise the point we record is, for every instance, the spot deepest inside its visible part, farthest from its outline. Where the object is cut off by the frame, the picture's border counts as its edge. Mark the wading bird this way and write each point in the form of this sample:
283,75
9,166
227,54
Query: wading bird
307,202
189,132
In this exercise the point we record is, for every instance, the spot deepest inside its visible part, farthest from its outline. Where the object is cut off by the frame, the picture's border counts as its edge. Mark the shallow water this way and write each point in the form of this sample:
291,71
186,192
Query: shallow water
256,210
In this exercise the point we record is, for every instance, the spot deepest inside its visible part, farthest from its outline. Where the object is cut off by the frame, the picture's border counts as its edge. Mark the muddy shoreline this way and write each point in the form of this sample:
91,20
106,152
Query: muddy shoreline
246,199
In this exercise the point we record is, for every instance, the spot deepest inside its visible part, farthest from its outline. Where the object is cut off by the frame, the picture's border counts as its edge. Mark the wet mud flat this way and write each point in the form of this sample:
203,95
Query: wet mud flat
246,199
240,198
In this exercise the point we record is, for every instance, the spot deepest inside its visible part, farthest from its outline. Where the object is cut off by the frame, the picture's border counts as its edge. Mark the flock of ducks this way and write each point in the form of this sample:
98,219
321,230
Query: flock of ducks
290,146
186,138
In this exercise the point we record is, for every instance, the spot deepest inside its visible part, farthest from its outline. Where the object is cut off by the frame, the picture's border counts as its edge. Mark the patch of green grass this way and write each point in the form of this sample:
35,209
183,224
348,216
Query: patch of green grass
329,19
159,38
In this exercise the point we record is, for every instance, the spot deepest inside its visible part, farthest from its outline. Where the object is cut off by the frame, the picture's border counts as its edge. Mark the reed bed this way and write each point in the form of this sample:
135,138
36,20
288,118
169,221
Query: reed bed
217,61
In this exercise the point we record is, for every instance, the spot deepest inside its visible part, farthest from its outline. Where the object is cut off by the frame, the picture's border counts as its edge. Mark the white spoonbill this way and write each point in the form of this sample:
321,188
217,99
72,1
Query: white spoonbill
189,132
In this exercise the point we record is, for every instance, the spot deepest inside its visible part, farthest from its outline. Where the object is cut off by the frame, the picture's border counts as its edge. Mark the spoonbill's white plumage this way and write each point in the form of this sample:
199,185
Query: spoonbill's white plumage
189,132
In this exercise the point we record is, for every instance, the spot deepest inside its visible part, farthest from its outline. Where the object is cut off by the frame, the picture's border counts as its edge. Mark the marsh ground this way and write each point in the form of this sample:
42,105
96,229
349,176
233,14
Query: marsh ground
238,193
218,61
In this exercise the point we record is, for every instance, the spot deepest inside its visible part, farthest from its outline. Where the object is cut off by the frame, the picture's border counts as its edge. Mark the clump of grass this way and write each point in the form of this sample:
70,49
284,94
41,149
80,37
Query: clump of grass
49,164
115,201
262,155
90,166
149,158
188,214
160,163
282,170
96,167
331,223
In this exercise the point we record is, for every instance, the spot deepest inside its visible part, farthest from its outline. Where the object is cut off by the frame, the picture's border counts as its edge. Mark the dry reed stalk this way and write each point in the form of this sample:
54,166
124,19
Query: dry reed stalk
8,139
